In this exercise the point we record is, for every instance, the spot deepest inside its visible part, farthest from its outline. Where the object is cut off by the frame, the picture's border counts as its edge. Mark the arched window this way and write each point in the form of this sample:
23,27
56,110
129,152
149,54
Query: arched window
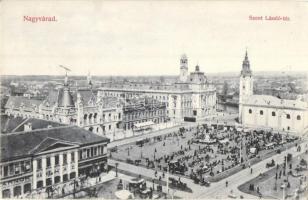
250,111
273,114
261,112
298,117
288,116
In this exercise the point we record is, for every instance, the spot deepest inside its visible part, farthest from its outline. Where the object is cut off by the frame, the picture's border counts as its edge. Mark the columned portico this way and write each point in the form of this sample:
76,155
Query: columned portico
34,165
44,170
61,166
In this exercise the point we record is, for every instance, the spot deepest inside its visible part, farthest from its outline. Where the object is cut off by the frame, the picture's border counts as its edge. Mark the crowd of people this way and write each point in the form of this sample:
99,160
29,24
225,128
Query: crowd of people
204,150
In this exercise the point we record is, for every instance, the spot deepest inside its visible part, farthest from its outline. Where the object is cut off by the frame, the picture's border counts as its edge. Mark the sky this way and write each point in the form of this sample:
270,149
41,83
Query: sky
148,37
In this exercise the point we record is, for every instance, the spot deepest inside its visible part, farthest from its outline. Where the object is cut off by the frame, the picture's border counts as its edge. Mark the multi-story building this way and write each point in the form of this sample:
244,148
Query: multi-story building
269,111
143,111
191,97
83,108
48,155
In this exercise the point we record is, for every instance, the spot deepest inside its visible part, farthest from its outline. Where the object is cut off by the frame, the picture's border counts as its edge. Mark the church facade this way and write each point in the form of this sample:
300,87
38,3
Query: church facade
269,111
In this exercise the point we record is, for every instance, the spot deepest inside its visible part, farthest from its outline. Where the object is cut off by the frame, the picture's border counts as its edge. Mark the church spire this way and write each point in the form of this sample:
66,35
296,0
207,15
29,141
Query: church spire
65,79
246,66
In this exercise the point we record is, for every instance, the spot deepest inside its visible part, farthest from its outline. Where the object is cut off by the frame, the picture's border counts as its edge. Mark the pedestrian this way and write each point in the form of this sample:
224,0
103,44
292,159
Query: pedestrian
226,183
251,171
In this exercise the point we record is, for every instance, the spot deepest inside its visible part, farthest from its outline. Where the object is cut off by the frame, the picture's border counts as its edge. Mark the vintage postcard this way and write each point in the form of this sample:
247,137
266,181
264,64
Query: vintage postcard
154,99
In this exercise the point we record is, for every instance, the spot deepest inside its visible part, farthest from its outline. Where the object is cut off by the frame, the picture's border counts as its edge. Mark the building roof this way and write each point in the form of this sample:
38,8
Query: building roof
37,124
197,76
19,101
11,124
8,123
87,96
266,100
28,142
51,99
65,98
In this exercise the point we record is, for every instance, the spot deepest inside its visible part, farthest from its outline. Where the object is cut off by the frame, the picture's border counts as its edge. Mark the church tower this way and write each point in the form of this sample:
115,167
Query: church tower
184,68
89,80
246,84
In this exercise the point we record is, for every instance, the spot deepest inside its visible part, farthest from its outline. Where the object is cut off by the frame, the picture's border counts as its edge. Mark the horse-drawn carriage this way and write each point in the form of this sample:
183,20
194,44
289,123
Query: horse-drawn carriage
177,184
270,164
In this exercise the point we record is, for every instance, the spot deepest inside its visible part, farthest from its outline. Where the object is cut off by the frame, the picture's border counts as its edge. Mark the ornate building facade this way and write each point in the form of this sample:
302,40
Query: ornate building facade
269,111
84,108
141,111
191,97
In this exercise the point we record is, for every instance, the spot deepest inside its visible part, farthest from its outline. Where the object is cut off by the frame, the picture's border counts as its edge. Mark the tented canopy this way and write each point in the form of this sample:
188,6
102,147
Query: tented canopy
123,194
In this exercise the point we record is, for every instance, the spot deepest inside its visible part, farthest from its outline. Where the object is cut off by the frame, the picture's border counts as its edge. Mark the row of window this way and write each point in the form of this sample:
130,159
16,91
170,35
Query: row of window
144,114
15,168
158,97
288,116
57,160
91,152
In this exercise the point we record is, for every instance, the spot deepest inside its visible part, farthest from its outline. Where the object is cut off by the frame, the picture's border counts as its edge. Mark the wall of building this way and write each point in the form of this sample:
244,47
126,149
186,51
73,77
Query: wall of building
293,120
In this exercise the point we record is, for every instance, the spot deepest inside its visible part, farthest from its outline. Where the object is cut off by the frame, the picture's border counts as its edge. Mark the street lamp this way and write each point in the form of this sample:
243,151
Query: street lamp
167,178
283,191
116,165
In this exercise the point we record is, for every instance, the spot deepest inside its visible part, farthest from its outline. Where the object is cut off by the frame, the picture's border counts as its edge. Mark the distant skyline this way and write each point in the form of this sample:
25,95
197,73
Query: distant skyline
127,38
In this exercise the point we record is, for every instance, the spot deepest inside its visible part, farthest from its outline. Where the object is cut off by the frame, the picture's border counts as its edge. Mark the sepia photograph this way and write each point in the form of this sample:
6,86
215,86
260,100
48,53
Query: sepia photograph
154,99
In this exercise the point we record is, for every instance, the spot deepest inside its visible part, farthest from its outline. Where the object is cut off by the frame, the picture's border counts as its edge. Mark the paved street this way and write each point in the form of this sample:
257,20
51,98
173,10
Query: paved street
218,189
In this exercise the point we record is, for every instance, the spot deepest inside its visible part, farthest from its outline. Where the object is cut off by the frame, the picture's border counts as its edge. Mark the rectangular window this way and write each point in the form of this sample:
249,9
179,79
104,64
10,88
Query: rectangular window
80,155
22,167
6,171
88,153
11,166
92,151
102,150
57,160
98,150
73,157
17,168
48,161
64,159
28,166
39,164
95,151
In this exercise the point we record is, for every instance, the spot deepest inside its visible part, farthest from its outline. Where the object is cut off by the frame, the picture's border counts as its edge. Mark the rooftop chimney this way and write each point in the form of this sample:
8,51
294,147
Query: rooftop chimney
28,127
